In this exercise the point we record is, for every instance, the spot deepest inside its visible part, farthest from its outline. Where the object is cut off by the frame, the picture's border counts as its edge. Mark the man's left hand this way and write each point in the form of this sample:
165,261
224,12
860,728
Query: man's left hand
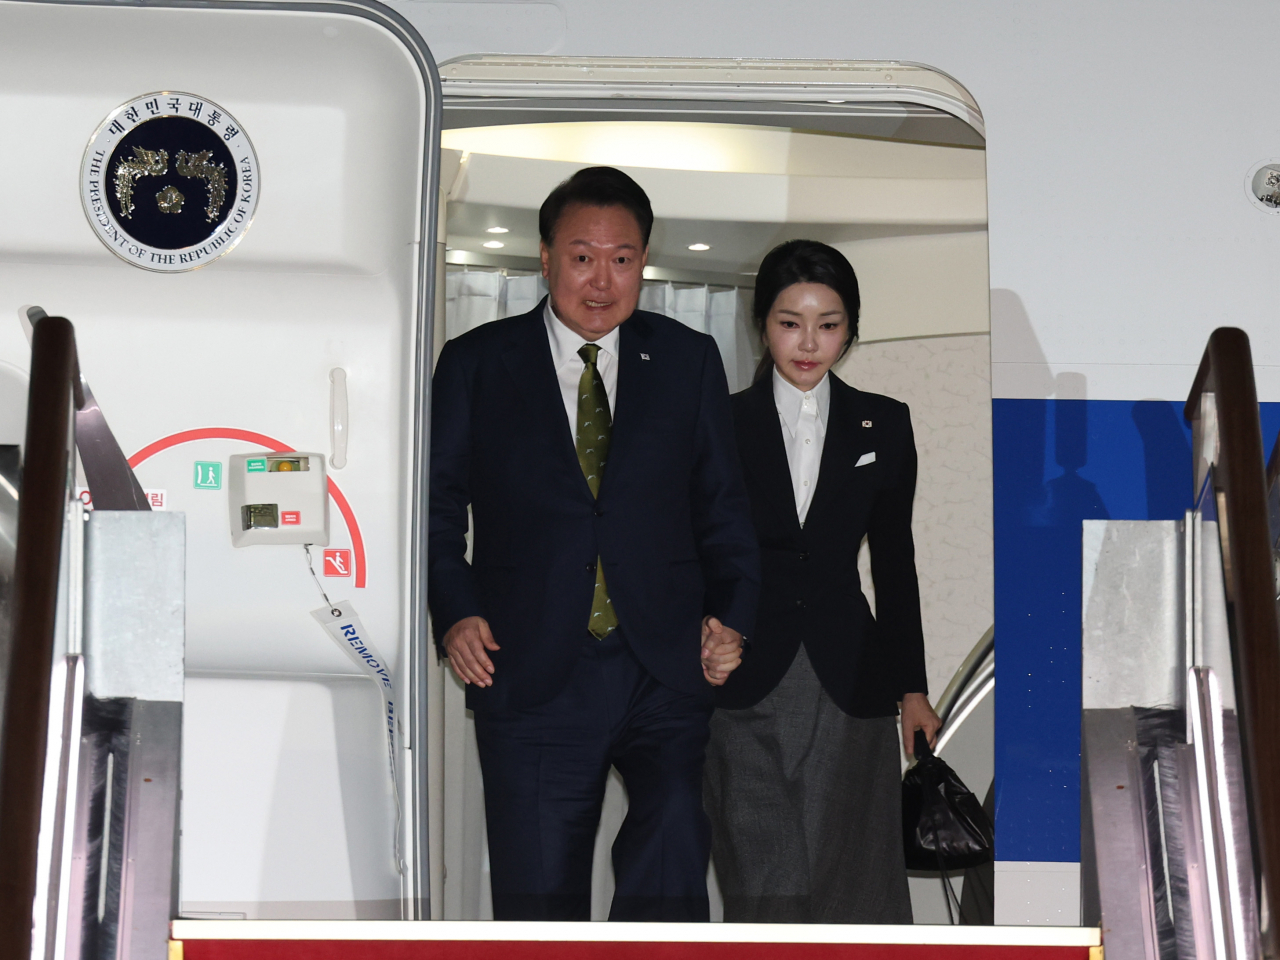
721,651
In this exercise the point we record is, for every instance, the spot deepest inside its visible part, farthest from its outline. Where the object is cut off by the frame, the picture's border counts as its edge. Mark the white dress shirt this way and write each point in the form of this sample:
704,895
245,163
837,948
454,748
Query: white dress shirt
564,354
804,427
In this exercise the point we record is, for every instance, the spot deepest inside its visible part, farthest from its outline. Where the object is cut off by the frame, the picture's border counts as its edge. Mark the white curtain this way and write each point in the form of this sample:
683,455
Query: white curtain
477,295
473,297
729,323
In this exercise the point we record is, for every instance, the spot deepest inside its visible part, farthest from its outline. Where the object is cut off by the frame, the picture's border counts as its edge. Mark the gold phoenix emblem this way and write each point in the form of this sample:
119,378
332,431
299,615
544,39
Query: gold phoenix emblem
145,163
214,175
170,200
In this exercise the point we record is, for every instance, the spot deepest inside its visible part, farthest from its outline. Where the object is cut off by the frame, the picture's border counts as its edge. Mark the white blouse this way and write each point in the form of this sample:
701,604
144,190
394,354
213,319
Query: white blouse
804,427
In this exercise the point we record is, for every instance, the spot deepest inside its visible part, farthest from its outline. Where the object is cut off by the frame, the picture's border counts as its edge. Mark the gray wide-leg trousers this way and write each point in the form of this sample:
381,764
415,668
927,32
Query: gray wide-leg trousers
805,804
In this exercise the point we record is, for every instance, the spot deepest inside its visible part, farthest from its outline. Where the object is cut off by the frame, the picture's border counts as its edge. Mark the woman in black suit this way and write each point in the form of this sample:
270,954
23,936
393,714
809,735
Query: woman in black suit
803,772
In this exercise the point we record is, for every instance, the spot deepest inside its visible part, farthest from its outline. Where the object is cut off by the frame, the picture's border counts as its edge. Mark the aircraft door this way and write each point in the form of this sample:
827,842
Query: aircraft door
247,250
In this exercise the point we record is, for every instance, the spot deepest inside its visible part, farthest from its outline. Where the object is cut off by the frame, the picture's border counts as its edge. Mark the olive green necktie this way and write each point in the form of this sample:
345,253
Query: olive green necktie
592,441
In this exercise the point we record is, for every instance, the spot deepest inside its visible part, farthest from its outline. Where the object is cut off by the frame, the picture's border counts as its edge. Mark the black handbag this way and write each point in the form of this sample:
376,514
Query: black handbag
943,824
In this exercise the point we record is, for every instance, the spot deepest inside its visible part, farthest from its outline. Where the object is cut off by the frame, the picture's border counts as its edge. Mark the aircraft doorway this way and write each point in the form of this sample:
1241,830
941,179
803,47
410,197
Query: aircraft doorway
732,170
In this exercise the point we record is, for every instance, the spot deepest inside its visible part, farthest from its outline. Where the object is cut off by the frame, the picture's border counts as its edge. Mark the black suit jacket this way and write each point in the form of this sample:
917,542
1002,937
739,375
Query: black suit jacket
672,524
811,592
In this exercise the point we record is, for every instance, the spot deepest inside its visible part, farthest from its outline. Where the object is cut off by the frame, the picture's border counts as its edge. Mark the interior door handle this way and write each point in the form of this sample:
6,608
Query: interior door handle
338,423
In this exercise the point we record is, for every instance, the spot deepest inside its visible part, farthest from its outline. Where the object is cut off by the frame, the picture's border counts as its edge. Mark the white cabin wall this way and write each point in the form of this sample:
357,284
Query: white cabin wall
946,380
923,339
921,285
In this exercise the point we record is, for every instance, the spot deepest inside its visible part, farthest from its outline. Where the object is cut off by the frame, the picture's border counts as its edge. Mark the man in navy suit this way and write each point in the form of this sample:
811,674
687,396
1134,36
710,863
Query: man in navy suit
594,445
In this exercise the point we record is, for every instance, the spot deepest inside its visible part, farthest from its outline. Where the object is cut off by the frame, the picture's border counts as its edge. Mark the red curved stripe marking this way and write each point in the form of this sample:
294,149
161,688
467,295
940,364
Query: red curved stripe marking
275,446
208,433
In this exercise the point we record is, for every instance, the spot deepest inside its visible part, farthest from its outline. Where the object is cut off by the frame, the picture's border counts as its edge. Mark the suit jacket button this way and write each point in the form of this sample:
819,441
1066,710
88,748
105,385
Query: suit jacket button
599,512
804,556
799,604
591,568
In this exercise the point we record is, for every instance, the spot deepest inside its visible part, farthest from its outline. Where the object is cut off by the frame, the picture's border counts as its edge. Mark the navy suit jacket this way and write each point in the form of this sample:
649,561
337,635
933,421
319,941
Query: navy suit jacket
672,524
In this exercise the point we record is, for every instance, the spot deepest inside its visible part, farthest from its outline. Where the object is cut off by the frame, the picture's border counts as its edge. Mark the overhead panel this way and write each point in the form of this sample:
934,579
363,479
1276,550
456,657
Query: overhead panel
882,98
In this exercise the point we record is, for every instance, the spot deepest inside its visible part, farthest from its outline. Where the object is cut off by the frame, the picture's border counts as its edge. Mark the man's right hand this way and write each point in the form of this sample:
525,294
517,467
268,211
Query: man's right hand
465,645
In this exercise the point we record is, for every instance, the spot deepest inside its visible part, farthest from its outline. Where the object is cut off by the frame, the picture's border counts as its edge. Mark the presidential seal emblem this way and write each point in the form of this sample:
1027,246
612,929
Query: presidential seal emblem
170,182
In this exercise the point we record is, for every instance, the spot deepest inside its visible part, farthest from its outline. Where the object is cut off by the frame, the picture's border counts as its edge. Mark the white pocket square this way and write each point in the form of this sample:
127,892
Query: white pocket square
865,459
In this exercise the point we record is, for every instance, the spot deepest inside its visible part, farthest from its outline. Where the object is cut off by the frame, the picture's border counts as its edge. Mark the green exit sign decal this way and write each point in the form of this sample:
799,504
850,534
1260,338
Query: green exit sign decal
208,476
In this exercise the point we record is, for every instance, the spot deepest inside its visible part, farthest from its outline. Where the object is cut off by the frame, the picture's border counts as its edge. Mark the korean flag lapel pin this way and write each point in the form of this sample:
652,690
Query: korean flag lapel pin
866,423
644,356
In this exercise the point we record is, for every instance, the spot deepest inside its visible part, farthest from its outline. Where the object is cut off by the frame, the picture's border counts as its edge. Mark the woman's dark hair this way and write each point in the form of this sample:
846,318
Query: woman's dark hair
803,261
596,187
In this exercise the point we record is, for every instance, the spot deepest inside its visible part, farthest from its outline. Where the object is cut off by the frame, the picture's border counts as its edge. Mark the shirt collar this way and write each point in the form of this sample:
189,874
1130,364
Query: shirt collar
789,399
565,343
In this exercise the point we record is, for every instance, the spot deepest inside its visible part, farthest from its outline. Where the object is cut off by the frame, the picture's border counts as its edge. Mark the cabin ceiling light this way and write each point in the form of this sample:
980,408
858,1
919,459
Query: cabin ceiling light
497,230
494,244
699,246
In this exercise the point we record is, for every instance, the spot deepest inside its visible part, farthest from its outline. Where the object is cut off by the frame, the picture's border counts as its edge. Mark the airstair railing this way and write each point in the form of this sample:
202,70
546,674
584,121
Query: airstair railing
1273,513
959,684
1223,409
53,396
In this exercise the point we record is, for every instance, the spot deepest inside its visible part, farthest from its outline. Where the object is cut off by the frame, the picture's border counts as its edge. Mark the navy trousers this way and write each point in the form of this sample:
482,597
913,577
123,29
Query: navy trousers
545,769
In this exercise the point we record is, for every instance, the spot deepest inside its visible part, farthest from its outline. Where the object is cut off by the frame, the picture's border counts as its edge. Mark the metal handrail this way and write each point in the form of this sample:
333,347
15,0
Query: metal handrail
1223,408
960,680
979,684
1273,510
46,481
